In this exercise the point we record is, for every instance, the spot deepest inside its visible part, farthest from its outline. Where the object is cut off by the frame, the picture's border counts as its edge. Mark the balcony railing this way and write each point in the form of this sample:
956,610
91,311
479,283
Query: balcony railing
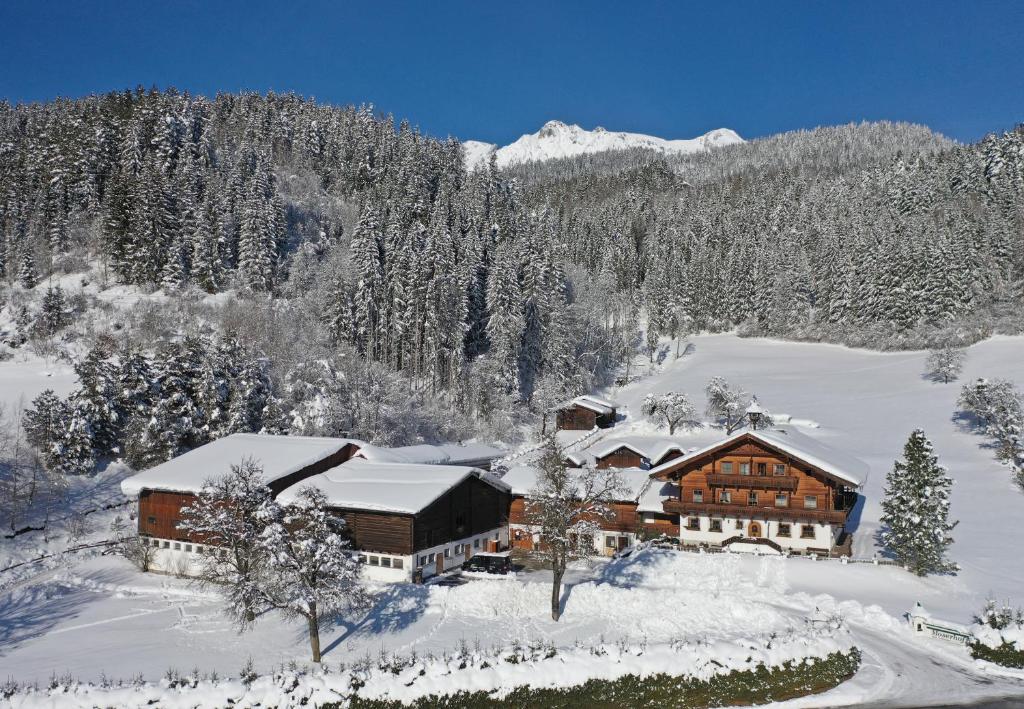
755,482
756,512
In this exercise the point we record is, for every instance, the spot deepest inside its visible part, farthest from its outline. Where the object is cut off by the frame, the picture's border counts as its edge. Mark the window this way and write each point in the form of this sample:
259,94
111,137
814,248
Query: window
739,524
727,467
609,542
807,531
423,561
458,549
150,520
693,523
752,498
762,469
476,542
810,502
385,561
716,525
177,546
724,496
784,529
167,545
698,496
782,500
188,547
448,553
780,468
362,558
199,549
374,561
744,468
431,558
398,564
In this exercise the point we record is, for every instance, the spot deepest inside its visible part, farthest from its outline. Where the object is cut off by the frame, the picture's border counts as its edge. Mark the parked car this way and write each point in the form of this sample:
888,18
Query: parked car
489,562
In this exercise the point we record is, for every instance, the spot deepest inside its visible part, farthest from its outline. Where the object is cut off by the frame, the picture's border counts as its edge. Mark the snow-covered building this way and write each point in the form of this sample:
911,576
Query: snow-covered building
163,490
773,491
636,452
637,515
403,516
405,507
475,455
584,413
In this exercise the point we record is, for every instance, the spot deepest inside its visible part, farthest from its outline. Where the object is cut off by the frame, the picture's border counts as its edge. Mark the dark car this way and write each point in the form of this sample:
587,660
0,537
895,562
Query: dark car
489,563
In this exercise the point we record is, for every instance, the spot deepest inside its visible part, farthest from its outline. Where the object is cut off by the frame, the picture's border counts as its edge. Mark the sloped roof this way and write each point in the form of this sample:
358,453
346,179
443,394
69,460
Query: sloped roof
402,488
830,461
593,403
656,493
442,454
278,456
521,480
650,447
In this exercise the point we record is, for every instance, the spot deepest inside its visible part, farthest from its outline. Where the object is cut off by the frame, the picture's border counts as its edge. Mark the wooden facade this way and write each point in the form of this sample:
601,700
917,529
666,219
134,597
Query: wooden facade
621,457
470,508
750,479
160,510
576,417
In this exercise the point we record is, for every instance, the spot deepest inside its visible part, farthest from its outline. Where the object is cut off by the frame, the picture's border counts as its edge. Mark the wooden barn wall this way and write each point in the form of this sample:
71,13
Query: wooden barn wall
470,508
378,531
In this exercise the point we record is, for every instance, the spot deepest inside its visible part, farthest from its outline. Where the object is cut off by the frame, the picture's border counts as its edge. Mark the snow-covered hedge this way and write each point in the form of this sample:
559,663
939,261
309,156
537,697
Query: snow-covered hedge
496,672
999,635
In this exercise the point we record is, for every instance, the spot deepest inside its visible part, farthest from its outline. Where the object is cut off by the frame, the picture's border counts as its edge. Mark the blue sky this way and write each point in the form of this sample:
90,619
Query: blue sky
495,70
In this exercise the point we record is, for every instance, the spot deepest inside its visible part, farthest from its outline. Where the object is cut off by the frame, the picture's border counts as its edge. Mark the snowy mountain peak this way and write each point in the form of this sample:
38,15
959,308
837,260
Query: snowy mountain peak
556,139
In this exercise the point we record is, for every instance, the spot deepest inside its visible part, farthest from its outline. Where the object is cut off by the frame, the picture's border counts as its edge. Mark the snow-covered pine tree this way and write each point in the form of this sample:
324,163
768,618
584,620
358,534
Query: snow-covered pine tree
53,313
97,400
45,421
915,511
999,407
28,276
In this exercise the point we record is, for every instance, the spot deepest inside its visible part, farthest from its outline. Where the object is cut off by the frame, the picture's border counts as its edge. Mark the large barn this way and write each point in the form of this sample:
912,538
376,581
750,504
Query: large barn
401,514
404,516
773,491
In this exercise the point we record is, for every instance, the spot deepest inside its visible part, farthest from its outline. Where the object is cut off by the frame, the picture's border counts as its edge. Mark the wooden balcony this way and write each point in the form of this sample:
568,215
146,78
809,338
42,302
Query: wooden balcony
734,510
753,482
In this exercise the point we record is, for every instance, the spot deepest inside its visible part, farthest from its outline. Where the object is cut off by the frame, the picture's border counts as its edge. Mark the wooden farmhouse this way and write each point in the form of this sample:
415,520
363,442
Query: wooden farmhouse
773,491
638,515
401,514
584,413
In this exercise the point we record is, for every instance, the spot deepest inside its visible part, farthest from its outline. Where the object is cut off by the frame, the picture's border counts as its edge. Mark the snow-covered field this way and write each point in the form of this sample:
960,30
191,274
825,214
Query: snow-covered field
97,616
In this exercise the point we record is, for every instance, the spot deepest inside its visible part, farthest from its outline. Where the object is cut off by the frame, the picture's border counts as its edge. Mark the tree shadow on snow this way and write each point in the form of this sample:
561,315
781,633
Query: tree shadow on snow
33,611
395,608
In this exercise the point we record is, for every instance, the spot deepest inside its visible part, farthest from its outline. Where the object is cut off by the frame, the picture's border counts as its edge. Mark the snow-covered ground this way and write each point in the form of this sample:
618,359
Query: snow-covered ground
96,615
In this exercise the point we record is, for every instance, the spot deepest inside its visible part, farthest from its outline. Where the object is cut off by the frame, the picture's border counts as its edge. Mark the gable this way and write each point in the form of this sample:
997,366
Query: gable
754,447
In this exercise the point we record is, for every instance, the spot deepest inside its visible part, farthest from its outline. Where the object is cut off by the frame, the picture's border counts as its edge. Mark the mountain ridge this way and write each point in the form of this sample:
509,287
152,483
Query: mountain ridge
556,139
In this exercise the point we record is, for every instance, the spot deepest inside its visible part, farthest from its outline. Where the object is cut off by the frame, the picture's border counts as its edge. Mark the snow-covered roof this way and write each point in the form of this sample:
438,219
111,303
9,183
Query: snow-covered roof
833,462
656,493
403,488
278,456
443,454
593,403
651,447
521,479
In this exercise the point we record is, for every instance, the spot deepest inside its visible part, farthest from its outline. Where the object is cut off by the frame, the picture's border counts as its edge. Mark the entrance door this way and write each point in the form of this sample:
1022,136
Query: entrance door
754,530
440,562
623,543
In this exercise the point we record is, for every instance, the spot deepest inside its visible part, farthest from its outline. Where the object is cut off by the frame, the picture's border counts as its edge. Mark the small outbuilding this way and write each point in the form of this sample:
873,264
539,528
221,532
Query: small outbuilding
584,413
